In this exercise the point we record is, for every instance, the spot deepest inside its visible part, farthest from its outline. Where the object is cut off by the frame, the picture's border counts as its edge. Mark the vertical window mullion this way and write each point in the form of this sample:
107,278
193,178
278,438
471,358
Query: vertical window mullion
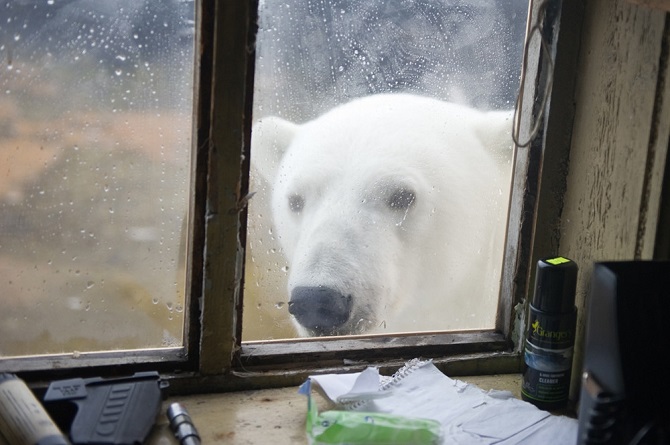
227,185
544,131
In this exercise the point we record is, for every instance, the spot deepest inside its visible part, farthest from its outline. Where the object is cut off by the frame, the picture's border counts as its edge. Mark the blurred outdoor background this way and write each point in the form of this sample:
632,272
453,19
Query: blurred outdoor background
95,145
95,131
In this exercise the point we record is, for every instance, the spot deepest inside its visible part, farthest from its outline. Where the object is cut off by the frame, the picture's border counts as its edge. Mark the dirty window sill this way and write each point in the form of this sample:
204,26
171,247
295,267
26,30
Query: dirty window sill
252,417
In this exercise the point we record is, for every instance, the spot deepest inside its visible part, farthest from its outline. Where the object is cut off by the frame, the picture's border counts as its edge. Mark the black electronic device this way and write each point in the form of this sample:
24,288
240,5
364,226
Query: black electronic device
113,411
625,394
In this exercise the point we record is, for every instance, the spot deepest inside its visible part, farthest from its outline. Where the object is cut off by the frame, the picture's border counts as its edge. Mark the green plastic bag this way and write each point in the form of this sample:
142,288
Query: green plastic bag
366,428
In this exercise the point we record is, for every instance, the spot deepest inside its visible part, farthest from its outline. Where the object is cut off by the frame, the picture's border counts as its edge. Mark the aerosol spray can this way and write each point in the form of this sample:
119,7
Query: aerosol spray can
551,334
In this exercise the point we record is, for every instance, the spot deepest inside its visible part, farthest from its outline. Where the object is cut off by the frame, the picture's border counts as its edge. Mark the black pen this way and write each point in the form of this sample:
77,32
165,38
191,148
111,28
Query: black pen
181,425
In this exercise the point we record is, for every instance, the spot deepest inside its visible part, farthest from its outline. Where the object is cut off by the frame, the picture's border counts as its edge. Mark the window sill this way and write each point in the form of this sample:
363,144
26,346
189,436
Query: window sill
251,417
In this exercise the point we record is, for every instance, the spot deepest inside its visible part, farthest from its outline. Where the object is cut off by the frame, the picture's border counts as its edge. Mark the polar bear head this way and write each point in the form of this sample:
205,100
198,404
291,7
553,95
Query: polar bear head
387,208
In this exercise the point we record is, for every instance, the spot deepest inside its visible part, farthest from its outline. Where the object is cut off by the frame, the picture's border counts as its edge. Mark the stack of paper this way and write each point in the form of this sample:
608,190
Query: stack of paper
468,414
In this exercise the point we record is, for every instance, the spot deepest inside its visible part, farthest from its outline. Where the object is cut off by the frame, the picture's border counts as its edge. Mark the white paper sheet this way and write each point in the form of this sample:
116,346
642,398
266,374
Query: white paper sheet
468,414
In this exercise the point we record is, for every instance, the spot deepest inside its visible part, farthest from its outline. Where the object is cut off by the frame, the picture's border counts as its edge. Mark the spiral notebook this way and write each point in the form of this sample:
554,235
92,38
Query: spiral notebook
468,414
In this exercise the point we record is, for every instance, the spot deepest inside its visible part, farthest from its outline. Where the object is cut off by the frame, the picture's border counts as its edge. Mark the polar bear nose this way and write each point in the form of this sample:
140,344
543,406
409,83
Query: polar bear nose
321,309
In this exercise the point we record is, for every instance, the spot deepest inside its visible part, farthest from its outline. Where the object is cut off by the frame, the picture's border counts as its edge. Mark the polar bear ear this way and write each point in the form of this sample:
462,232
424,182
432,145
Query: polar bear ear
270,137
494,129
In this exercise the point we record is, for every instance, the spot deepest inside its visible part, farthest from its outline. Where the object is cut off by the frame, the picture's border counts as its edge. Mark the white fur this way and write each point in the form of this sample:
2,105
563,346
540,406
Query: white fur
433,266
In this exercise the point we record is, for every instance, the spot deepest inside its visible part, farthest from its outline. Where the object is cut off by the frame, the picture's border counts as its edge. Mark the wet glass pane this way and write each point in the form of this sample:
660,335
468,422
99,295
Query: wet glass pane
381,157
95,130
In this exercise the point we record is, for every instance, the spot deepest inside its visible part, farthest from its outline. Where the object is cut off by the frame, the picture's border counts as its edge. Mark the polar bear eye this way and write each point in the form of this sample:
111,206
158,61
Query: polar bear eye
296,203
401,199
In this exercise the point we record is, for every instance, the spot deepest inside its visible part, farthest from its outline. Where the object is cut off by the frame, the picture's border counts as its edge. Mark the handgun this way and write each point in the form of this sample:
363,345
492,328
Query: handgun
115,411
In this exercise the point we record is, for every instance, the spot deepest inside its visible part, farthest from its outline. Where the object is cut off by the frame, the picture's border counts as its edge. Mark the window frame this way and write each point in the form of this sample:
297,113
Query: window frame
213,356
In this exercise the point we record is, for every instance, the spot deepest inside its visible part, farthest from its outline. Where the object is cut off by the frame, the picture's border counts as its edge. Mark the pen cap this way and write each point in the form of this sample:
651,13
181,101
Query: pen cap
555,285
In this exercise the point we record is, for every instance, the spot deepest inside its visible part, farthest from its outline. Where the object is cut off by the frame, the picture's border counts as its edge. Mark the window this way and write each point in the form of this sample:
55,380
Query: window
392,245
220,195
96,134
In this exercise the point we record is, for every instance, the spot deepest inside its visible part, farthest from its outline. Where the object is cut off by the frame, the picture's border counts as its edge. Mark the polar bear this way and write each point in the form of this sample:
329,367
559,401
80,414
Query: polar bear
391,211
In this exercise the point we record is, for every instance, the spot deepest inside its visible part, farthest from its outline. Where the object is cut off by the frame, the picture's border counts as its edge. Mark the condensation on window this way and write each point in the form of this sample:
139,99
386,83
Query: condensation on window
95,131
381,162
